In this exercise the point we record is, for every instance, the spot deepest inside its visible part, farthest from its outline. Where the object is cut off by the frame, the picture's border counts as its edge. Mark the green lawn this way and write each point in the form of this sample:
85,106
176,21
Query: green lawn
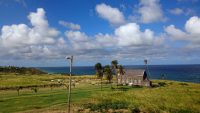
169,97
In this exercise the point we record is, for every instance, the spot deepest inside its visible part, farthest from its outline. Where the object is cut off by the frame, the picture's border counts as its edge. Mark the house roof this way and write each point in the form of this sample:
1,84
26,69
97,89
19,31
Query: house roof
134,72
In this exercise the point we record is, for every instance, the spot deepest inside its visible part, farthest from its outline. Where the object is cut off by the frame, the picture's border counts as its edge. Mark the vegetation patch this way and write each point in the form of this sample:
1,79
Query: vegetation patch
105,105
162,84
183,84
20,70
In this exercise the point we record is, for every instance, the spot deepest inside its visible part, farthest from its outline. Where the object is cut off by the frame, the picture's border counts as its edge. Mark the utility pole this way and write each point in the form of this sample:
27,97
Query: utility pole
69,88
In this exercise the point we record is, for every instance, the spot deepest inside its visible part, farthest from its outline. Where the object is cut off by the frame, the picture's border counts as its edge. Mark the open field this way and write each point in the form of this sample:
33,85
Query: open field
166,96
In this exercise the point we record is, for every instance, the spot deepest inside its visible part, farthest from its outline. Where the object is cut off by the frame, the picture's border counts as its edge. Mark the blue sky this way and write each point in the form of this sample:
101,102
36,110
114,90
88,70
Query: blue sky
43,32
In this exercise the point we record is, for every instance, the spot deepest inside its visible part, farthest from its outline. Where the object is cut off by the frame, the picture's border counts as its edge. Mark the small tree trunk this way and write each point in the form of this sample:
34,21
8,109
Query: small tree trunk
18,92
110,84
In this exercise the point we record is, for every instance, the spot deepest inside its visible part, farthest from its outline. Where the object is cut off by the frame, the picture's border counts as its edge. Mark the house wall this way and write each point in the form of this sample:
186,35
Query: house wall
133,80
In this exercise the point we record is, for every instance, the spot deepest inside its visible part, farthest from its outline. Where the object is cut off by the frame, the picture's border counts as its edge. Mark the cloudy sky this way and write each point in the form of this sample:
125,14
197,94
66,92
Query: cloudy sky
43,32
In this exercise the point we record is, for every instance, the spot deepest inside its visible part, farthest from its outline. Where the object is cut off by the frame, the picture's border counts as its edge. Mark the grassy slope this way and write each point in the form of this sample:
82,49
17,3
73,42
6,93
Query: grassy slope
174,97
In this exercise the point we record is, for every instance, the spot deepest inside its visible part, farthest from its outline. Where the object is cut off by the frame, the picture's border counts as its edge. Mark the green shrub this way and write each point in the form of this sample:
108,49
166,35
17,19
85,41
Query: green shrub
162,84
107,104
183,84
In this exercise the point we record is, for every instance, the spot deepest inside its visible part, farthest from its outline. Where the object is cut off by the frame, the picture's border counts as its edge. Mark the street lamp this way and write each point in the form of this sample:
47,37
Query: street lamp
69,91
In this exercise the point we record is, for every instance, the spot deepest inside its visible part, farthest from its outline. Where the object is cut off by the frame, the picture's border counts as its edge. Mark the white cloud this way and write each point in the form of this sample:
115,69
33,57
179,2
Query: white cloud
125,35
23,35
70,25
113,15
150,11
131,35
40,41
192,25
191,33
106,40
177,34
80,41
20,39
176,11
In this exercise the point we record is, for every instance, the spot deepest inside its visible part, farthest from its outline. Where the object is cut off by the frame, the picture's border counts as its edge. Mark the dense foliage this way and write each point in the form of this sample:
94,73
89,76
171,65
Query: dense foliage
20,70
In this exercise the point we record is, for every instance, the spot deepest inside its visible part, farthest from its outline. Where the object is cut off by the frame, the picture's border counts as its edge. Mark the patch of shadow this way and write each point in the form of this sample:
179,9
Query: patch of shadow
183,84
198,102
1,100
162,84
45,96
37,107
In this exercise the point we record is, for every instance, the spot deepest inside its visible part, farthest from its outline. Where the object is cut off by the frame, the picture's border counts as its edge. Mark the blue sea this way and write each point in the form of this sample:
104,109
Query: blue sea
185,73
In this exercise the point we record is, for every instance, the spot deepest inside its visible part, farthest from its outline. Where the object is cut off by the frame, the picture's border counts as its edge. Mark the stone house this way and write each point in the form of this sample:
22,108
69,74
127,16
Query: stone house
134,77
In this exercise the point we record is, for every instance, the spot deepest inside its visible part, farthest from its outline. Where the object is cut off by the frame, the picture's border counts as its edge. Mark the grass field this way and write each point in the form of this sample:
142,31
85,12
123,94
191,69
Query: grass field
168,97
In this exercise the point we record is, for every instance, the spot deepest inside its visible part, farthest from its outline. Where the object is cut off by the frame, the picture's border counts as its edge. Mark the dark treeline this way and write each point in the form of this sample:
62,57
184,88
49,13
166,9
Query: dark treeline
20,70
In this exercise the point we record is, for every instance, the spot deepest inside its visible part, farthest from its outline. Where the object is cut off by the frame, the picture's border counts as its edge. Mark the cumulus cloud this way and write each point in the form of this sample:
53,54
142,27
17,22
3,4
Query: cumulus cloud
125,40
70,25
23,35
177,34
40,41
22,40
192,25
130,35
191,32
176,11
150,11
80,41
125,36
113,15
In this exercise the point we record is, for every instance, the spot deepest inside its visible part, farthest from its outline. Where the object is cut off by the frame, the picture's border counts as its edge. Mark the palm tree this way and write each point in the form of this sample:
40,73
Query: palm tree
121,71
99,71
108,73
114,64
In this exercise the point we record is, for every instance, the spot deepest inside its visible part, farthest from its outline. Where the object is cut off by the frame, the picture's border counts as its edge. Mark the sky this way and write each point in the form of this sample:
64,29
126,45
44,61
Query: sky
42,33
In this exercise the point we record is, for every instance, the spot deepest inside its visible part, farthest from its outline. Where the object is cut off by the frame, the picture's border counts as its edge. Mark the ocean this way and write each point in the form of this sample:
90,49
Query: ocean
185,73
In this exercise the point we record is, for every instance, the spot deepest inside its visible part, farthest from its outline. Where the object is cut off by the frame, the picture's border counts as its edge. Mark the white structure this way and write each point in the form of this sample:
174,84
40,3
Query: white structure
134,77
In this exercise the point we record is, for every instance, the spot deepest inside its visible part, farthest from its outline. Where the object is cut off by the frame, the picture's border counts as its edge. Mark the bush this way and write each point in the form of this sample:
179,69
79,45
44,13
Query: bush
183,84
107,104
162,84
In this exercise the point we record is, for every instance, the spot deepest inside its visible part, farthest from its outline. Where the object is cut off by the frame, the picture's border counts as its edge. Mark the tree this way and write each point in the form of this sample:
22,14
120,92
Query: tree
108,73
121,71
99,71
114,64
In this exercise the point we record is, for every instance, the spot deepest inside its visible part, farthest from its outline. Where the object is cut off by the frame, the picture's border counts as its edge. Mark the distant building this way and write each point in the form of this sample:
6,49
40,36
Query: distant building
134,77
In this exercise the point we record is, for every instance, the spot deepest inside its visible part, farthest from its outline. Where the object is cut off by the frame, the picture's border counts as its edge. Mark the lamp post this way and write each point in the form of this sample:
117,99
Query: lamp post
69,91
